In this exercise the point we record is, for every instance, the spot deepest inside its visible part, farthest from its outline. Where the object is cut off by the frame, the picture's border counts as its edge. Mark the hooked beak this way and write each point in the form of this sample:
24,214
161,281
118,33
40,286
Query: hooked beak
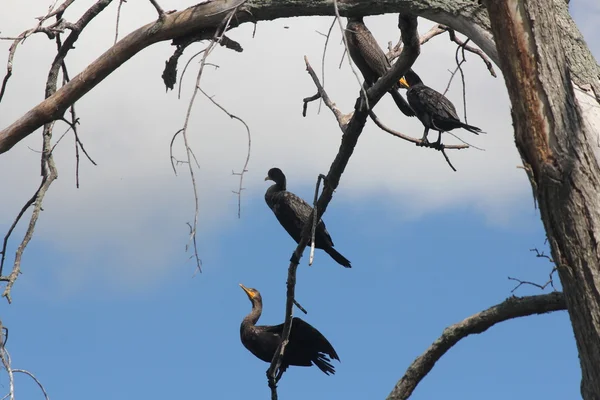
403,83
245,289
267,178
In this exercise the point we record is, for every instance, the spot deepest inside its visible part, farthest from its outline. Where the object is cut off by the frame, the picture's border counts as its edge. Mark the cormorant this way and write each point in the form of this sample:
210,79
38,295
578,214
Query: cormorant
433,109
306,345
370,59
292,213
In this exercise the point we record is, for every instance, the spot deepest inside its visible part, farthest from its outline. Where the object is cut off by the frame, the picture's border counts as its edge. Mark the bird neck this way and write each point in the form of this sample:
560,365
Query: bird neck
252,318
279,185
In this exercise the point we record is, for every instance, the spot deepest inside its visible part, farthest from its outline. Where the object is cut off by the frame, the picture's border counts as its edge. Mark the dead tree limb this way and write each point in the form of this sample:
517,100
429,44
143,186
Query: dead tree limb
209,16
351,133
513,307
49,171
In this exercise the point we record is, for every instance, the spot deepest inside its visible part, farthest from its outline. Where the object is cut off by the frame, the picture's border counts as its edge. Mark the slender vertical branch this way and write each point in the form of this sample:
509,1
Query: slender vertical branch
352,131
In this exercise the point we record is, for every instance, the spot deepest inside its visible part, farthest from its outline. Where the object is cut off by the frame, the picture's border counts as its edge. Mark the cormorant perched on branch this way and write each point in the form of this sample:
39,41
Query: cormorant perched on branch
370,59
292,213
306,345
433,109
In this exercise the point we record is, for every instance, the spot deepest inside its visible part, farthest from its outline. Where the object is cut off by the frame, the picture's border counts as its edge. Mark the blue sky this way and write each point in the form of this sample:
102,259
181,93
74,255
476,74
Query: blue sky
107,305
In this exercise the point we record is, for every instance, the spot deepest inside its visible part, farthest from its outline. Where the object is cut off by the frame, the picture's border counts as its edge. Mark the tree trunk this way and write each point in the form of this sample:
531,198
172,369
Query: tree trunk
558,141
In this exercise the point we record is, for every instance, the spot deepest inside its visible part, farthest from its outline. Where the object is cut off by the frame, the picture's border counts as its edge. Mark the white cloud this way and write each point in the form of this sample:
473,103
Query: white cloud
130,210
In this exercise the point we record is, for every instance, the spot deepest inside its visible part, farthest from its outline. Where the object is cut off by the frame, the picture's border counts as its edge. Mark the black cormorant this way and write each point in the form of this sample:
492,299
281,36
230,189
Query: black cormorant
370,59
292,213
306,345
433,109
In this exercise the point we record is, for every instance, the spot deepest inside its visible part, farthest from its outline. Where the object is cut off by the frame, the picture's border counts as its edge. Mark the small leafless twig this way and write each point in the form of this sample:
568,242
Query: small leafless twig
118,19
217,37
245,167
49,171
441,147
159,10
473,50
356,75
394,52
23,371
314,224
185,68
321,93
323,58
49,31
542,287
411,139
300,307
538,254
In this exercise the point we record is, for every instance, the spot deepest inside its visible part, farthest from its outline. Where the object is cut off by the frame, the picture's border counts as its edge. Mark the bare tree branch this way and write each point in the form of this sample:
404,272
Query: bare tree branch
352,131
49,172
245,167
208,16
513,307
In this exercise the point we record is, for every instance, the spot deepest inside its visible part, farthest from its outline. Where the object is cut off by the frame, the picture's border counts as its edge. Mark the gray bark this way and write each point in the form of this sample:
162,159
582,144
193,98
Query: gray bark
558,142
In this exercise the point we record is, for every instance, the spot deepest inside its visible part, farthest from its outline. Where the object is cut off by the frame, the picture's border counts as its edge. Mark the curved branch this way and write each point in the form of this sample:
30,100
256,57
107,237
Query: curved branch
464,16
513,307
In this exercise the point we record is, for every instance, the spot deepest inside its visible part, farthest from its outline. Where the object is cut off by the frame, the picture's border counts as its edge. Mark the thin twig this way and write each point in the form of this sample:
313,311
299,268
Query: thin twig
245,167
118,19
394,52
159,10
411,139
185,68
23,371
473,50
49,172
323,58
345,41
341,118
314,224
217,37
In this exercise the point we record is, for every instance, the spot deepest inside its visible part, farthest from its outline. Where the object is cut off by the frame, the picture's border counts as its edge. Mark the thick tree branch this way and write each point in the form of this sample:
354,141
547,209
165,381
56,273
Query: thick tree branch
513,307
465,16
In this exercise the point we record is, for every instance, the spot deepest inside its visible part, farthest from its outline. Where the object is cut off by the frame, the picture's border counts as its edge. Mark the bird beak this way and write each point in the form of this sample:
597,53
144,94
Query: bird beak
245,289
267,178
403,83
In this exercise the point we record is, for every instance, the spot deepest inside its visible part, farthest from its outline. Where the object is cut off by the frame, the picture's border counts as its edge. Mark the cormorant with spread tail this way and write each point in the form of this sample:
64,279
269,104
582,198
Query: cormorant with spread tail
433,109
306,346
370,59
292,213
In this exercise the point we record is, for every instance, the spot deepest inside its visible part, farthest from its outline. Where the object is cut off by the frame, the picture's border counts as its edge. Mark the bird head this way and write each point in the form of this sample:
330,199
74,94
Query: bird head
275,175
253,294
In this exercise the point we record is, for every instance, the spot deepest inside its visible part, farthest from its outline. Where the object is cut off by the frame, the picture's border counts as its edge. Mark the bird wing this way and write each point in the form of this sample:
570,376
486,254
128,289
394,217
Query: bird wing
305,334
293,212
365,52
434,102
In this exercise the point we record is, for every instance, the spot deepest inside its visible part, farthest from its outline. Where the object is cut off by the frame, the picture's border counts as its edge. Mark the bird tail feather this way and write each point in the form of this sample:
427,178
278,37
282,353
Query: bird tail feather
340,259
471,128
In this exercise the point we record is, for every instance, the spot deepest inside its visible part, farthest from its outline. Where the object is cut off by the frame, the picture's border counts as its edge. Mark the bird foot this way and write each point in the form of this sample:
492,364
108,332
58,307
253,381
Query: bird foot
437,145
